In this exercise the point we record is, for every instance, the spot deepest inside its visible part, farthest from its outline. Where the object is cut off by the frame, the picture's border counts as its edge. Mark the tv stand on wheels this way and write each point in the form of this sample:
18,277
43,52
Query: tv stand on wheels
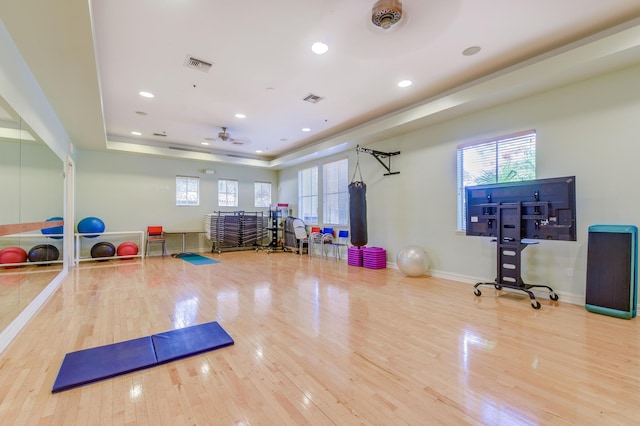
509,253
516,215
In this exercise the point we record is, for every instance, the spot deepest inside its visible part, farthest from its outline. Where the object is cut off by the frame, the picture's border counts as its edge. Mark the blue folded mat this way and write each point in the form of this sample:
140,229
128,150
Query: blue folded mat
103,362
188,341
196,259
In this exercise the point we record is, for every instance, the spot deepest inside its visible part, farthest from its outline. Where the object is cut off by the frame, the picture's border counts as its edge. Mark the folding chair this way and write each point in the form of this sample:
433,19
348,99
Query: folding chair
155,235
341,241
326,240
314,240
300,234
302,237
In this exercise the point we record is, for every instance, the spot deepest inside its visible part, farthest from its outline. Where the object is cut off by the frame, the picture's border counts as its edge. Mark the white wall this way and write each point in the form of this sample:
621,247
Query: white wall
588,129
130,192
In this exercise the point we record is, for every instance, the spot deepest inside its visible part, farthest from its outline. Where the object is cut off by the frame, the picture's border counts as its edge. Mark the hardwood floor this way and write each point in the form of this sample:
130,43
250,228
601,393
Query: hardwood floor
19,286
319,342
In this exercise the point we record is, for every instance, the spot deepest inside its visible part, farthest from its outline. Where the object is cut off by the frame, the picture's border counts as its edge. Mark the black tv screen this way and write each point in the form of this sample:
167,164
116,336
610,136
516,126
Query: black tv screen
547,208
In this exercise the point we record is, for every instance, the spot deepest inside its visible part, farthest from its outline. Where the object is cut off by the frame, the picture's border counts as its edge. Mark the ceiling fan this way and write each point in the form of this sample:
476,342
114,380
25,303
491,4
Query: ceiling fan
224,136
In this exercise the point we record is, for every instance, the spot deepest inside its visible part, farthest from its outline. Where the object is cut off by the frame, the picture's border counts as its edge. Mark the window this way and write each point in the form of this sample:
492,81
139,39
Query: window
227,193
506,159
187,191
308,195
262,194
335,195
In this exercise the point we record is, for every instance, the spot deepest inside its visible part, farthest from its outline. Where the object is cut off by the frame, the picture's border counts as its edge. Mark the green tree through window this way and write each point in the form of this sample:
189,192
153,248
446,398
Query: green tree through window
505,159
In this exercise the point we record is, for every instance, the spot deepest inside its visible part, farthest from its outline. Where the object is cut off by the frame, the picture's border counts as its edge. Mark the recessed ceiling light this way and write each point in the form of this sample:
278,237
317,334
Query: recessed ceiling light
146,94
306,129
204,143
405,83
319,48
470,51
136,133
240,115
258,151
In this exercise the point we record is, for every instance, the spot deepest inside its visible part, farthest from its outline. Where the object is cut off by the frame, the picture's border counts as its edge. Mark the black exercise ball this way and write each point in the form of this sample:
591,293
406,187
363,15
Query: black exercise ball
103,249
43,253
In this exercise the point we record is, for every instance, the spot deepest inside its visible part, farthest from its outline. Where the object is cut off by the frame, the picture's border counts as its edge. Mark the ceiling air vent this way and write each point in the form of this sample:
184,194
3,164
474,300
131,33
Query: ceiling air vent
197,64
179,148
314,99
164,135
241,156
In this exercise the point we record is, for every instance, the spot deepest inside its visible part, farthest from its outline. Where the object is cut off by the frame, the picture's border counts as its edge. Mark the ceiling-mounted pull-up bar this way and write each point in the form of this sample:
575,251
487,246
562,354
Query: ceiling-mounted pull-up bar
378,155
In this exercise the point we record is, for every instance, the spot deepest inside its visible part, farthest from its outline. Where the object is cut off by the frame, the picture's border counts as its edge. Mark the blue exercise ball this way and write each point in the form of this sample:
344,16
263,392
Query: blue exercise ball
53,230
91,225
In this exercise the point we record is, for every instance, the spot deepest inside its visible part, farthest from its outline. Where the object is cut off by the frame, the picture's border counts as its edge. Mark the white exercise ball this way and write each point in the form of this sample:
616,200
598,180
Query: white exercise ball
413,261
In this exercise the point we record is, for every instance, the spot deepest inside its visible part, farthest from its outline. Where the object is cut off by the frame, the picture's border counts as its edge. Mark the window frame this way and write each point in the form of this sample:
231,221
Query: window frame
339,196
502,143
188,180
311,197
226,192
256,185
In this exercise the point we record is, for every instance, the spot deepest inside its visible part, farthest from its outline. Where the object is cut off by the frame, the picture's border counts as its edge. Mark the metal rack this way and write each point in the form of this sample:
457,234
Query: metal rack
235,230
28,241
84,242
275,231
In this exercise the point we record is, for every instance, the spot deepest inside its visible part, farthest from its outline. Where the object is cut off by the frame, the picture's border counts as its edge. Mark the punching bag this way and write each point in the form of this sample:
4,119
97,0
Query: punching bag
358,213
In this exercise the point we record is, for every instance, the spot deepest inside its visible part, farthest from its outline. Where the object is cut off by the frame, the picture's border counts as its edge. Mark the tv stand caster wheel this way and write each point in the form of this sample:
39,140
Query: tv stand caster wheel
553,296
477,292
535,304
498,287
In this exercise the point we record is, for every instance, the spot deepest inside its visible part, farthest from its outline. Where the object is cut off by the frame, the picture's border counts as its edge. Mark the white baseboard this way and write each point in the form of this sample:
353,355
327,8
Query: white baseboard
574,299
566,297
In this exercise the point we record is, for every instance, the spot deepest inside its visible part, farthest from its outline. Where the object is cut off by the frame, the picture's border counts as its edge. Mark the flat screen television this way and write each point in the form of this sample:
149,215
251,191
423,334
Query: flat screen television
547,208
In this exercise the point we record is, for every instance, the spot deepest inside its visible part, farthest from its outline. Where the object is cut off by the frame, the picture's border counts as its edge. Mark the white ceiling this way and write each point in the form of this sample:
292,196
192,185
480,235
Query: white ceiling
91,60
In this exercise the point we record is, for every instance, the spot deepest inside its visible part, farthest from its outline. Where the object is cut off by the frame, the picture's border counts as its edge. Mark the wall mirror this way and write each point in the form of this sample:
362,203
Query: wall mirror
31,175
